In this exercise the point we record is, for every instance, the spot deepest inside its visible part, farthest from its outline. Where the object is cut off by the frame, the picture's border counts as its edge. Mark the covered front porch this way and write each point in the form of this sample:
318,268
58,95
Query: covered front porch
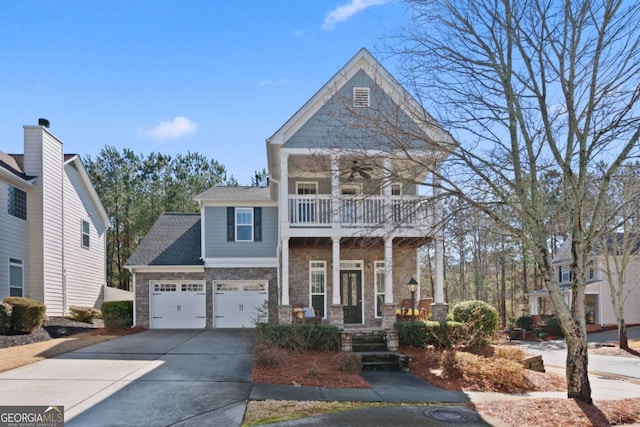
351,282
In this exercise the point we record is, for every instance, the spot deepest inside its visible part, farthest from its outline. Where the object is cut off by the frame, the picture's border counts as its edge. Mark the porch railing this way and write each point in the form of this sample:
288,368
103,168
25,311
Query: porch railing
357,211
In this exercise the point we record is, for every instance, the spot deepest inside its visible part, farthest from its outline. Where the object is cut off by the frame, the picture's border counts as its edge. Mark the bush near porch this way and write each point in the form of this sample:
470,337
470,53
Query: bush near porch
299,337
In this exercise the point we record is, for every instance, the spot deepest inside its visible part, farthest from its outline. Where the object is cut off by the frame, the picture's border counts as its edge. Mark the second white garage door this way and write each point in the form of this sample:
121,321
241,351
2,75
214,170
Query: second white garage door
239,303
177,305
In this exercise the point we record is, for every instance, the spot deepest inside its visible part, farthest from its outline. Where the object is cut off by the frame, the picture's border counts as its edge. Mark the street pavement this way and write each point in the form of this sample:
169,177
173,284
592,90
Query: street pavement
554,354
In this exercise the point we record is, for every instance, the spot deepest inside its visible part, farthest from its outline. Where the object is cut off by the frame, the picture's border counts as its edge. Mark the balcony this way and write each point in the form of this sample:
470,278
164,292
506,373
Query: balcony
358,211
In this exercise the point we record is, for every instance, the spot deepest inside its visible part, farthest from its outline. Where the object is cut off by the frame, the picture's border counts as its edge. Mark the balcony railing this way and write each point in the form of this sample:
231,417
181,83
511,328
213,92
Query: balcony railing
357,211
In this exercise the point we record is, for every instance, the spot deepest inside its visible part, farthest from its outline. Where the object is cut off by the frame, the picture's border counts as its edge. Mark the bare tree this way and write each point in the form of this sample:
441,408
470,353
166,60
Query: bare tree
527,88
620,248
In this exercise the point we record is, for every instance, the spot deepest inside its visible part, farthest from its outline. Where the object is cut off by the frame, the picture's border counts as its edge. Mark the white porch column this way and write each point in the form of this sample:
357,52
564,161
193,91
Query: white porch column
283,205
439,240
285,271
386,191
533,305
388,270
439,285
335,190
335,270
418,275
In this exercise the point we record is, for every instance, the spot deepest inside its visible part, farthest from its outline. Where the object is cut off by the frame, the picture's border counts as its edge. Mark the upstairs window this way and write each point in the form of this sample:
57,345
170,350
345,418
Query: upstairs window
564,274
361,97
244,224
17,202
86,236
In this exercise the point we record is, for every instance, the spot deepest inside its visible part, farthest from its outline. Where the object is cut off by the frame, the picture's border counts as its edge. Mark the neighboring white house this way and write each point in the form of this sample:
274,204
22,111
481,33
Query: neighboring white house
52,226
338,228
598,306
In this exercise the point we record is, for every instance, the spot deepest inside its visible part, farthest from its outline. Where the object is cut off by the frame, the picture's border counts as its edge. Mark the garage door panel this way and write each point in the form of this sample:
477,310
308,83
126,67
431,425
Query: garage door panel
176,305
238,303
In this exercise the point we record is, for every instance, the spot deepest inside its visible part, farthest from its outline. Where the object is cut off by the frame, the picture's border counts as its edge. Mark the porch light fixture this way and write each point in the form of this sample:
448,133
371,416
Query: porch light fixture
413,287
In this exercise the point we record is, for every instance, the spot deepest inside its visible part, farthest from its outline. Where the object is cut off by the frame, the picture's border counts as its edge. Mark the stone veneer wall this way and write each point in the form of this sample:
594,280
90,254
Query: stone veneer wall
404,267
210,274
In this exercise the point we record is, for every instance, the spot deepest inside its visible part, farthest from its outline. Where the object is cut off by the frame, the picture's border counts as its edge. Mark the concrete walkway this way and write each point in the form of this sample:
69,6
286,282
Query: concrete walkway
153,378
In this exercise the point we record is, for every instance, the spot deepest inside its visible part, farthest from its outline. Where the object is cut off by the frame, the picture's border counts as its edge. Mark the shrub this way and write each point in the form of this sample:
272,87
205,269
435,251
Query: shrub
349,363
299,337
423,334
5,317
268,357
27,314
485,373
82,314
524,322
553,327
480,319
117,314
508,352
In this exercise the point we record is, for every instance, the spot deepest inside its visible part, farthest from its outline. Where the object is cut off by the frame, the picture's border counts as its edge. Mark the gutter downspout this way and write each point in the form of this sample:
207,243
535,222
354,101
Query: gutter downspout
278,248
64,266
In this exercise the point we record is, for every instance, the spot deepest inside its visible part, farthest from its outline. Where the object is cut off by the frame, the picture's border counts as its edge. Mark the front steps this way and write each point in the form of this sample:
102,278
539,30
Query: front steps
372,347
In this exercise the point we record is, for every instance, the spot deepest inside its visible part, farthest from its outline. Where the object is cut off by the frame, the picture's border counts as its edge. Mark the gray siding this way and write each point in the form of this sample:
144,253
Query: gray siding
13,239
335,125
216,245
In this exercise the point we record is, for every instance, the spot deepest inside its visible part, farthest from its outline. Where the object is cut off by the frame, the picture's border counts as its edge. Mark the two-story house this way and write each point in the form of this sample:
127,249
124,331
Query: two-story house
52,226
599,308
339,227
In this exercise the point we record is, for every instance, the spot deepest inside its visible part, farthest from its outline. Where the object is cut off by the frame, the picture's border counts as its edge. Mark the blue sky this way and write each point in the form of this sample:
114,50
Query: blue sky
216,77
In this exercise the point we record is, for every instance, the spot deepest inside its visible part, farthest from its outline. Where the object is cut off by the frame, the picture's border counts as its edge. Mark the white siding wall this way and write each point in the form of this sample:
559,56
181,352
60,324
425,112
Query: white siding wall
13,238
33,166
632,305
85,267
45,231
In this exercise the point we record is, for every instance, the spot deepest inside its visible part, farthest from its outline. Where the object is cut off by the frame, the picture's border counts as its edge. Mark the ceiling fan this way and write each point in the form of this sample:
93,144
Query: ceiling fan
363,171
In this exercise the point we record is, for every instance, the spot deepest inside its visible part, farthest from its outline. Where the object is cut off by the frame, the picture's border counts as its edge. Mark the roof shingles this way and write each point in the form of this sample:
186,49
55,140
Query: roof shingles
173,240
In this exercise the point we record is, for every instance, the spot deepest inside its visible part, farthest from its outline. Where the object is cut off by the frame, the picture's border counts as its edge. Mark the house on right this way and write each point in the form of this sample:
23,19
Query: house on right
614,267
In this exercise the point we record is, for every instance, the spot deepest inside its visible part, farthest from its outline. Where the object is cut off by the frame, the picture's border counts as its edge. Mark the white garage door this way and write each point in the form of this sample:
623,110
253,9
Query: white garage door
239,303
177,305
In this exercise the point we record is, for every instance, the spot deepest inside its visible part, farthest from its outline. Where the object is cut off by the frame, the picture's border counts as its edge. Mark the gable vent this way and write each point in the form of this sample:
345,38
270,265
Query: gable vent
360,96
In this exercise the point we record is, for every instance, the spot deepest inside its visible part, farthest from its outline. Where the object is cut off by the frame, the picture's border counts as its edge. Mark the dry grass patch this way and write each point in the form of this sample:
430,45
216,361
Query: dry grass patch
497,369
561,412
271,411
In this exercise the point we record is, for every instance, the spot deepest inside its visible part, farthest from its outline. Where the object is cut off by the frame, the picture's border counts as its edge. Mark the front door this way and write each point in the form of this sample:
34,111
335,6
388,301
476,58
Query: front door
351,295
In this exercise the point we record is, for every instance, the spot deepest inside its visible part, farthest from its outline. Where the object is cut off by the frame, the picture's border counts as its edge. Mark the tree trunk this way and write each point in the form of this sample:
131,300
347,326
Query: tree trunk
578,385
622,335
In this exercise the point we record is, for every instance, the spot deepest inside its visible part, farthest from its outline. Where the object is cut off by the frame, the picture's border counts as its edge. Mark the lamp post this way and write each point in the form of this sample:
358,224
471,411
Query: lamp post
413,287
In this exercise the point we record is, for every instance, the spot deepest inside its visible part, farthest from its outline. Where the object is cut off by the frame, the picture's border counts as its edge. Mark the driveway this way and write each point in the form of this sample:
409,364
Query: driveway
159,378
554,354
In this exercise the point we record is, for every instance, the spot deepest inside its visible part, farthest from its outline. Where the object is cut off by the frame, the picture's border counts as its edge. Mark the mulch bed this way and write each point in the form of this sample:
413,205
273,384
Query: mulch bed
54,327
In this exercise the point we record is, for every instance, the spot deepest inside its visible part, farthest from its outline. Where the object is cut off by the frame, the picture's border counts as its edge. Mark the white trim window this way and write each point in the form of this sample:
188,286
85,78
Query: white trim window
86,234
564,274
244,224
317,286
16,202
16,277
361,97
591,271
379,285
396,189
306,187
